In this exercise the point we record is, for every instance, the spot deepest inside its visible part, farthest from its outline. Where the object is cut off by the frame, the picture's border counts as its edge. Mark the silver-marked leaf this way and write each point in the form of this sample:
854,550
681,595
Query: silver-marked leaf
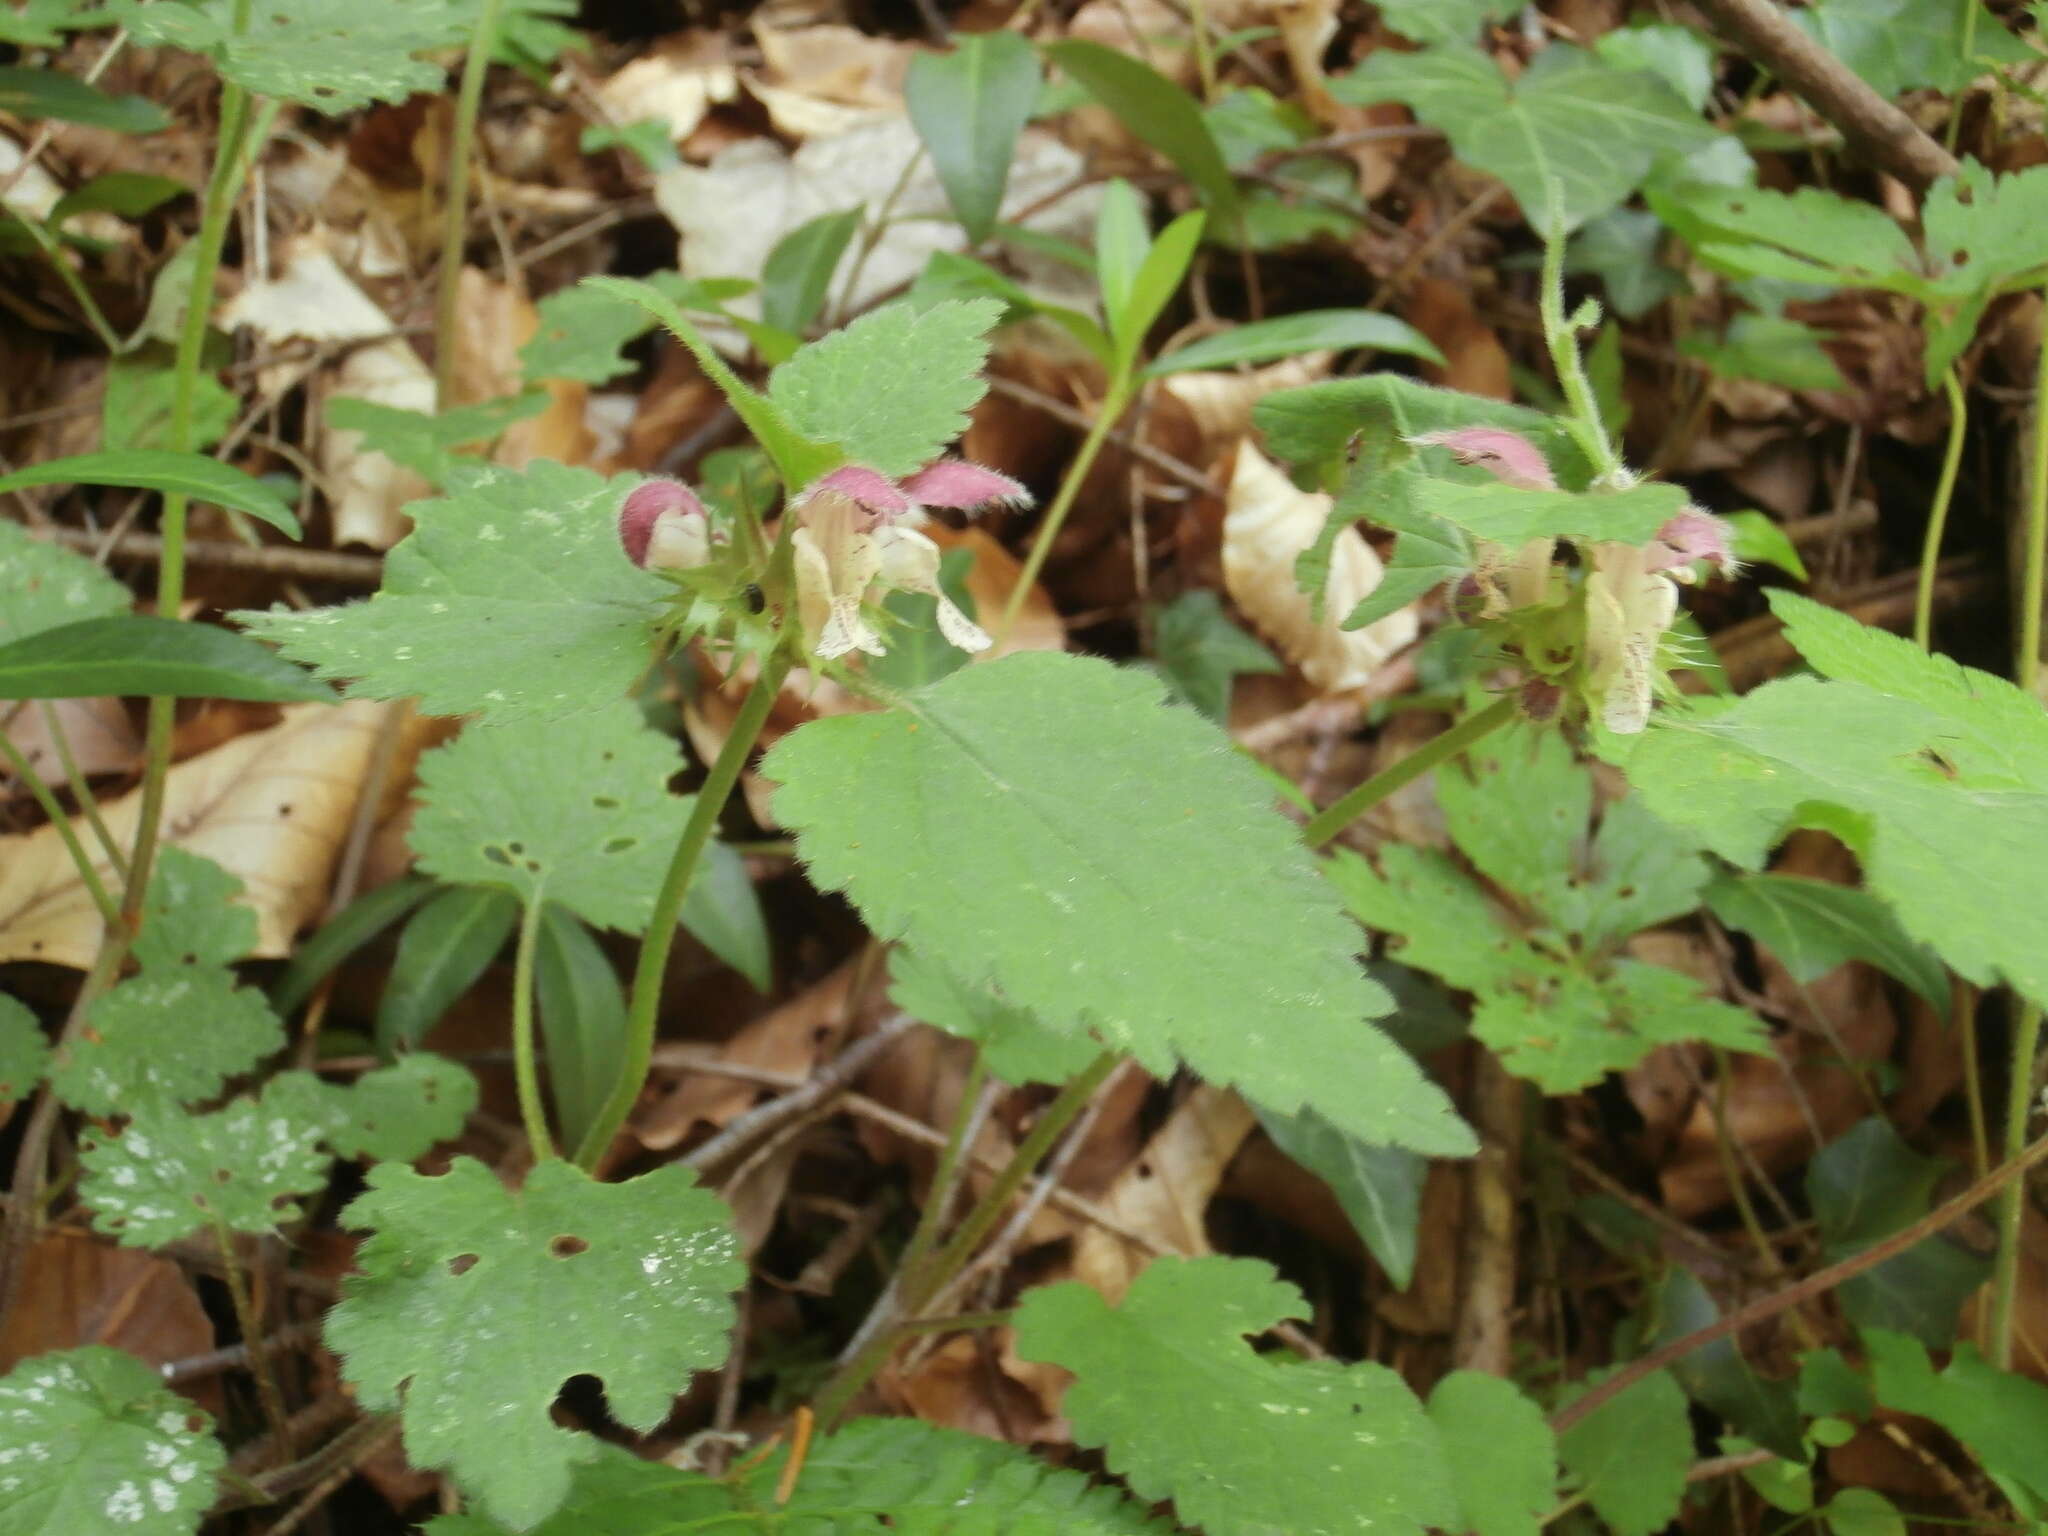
395,1113
165,1037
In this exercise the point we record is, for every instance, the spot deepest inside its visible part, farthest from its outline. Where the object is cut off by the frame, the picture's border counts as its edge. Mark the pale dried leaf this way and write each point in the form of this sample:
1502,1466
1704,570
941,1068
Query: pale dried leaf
1220,404
370,491
101,736
493,321
310,299
677,88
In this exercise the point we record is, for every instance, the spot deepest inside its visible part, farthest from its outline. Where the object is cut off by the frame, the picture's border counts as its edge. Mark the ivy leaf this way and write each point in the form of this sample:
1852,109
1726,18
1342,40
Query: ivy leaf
1571,118
1935,774
582,332
2001,1416
169,1173
1016,1047
24,1050
582,818
1630,1455
1380,1188
981,819
307,51
876,1475
1503,1457
511,598
93,1443
1813,926
170,1037
475,1303
395,1113
893,388
1622,249
1202,652
44,586
1442,21
1184,1410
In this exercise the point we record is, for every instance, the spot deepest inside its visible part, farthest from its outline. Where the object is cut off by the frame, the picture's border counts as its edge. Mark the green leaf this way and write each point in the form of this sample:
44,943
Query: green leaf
1640,872
1518,806
874,1476
308,51
1158,112
1813,926
583,331
1202,652
982,818
190,916
1439,920
1902,45
474,1303
2000,1416
1935,774
510,598
1571,118
1863,1512
1758,540
1506,514
448,944
395,1113
1769,348
1380,1188
44,586
1184,1410
1122,242
49,93
24,1050
582,1019
1681,57
1717,1377
1502,1455
1157,279
1979,244
138,656
159,469
95,1444
171,1037
135,412
1630,1455
1622,248
430,445
722,911
1442,21
893,388
43,23
1311,330
1015,1046
1863,1187
968,107
1315,424
799,270
169,1174
582,818
342,935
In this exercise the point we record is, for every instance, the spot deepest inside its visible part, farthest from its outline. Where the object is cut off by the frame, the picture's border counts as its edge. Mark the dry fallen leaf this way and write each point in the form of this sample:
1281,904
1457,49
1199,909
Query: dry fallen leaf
493,321
99,732
1219,405
1268,522
676,86
310,299
77,1290
369,491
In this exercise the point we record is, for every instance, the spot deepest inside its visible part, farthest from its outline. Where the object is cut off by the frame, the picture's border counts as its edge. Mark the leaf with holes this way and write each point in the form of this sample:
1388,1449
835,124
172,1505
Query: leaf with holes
509,599
984,819
893,388
92,1443
170,1174
1185,1410
43,586
475,1303
24,1051
164,1037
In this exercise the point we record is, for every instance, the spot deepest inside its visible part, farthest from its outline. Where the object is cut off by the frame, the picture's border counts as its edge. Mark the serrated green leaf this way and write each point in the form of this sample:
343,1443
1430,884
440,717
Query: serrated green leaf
132,655
1934,773
190,916
1509,515
1202,652
1518,806
24,1050
395,1113
1380,1188
1758,540
1183,1409
893,388
582,1019
1901,45
43,23
447,945
1640,872
135,412
427,444
474,1303
171,1037
582,331
307,50
1157,111
1015,1046
1438,920
797,273
1420,562
170,1174
1502,1455
92,1443
982,819
968,107
1630,1455
44,586
1442,21
2000,1416
1566,1030
50,93
895,1475
1813,926
1571,119
510,599
1262,341
160,469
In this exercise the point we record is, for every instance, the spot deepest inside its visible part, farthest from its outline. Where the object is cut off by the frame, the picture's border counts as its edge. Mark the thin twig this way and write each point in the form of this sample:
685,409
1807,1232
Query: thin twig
827,1081
270,559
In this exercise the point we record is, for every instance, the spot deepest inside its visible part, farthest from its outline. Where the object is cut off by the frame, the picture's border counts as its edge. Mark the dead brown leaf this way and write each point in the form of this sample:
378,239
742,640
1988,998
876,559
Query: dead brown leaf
77,1290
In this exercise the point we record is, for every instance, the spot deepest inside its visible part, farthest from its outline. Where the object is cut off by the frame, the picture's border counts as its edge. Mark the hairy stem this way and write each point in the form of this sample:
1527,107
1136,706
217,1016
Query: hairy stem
532,1113
668,905
1439,749
455,211
1585,422
932,1219
1937,514
1106,415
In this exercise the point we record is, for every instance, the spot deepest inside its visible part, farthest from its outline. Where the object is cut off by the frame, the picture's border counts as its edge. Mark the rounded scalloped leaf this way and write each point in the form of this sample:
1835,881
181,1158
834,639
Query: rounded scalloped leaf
24,1050
169,1173
92,1443
190,916
476,1302
394,1114
43,586
164,1037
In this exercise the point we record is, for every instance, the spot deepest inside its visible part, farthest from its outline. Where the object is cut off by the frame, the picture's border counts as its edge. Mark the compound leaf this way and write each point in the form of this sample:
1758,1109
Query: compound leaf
983,817
511,598
1184,1409
44,586
92,1443
476,1302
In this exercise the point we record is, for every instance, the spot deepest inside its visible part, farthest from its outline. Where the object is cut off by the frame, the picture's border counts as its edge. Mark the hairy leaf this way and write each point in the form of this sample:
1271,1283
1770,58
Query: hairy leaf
166,1036
190,915
583,331
428,444
396,1113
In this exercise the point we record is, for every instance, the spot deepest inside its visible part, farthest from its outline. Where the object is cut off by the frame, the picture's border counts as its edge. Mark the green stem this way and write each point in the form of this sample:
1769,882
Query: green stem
1106,415
1585,423
2026,1034
109,909
1438,749
1937,515
88,802
920,1288
1205,53
455,209
54,254
531,1112
1966,47
940,1199
668,905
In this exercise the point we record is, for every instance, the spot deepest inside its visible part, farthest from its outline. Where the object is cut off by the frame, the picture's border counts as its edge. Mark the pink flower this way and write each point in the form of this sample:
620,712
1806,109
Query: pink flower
951,483
1508,456
663,527
1689,536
